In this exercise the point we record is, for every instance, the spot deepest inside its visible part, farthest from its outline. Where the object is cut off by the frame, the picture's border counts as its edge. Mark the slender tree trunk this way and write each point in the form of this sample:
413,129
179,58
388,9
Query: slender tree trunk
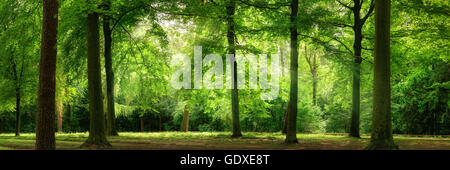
59,113
97,135
282,56
111,123
45,117
68,116
314,89
381,132
149,124
291,135
185,123
232,50
160,122
357,47
18,99
286,118
142,123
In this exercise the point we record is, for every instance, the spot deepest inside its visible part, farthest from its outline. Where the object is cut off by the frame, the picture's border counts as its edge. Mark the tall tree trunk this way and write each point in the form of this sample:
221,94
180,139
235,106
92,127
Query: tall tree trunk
357,48
17,90
312,62
18,99
232,50
282,56
45,117
111,123
160,122
381,132
286,118
149,124
291,135
59,113
142,123
68,116
185,123
315,88
97,135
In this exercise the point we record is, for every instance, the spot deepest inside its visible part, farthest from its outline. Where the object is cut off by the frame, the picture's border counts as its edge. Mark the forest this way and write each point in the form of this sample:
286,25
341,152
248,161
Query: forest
134,74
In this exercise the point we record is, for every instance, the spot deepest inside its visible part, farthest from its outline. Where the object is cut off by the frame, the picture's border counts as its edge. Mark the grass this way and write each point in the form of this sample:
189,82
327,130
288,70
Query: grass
222,140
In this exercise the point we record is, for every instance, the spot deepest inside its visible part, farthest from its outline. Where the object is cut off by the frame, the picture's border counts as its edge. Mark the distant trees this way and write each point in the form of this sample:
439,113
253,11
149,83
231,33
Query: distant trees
381,132
45,117
313,67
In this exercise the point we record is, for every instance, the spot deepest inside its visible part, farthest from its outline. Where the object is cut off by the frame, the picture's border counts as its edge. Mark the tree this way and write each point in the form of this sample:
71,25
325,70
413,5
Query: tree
381,134
97,135
230,8
313,67
45,131
291,133
185,122
357,26
111,123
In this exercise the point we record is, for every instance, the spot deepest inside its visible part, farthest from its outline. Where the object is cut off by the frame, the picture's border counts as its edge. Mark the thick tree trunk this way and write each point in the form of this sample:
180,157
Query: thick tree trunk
45,117
97,135
185,123
59,113
232,50
381,132
291,135
357,47
111,123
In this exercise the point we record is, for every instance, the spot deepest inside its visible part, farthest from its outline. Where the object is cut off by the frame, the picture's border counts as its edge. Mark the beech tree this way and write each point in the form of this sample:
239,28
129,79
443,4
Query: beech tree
291,133
97,135
45,117
381,132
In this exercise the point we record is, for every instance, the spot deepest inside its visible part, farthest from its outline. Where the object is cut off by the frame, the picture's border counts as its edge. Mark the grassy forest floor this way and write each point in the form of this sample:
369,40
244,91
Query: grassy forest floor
222,141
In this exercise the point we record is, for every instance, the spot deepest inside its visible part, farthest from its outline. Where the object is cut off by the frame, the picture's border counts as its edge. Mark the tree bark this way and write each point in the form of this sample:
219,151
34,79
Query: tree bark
45,117
18,99
59,113
142,123
357,48
68,116
160,122
17,91
107,32
381,132
97,135
185,123
231,5
291,135
286,117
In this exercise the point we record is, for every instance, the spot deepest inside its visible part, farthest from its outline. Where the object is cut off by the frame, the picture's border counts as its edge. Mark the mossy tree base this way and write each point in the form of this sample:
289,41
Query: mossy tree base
354,136
97,144
382,145
291,141
238,135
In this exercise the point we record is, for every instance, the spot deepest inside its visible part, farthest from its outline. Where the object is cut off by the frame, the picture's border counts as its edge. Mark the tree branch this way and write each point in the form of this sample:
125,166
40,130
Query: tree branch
347,6
369,13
